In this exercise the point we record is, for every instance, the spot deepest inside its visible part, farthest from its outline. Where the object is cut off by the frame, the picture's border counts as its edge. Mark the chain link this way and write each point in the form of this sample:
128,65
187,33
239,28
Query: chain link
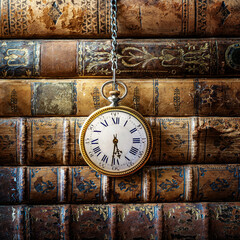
114,95
114,40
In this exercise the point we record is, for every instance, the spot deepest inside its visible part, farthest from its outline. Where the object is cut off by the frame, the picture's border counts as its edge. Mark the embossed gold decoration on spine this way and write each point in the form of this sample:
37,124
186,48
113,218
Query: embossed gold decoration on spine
196,58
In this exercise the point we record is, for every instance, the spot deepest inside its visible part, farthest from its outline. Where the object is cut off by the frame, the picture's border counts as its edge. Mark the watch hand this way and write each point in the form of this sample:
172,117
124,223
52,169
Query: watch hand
113,154
117,152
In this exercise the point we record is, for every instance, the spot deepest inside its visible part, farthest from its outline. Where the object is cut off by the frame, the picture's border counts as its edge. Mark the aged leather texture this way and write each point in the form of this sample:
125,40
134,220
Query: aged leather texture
151,97
81,184
195,122
136,18
54,141
198,221
137,58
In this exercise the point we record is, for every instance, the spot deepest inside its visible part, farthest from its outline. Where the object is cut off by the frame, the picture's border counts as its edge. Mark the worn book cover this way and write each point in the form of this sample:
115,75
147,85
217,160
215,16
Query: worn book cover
150,97
136,18
137,58
55,141
81,184
121,221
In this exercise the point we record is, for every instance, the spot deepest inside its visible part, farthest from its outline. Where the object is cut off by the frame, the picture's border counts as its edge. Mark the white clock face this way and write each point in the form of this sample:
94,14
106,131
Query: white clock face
116,141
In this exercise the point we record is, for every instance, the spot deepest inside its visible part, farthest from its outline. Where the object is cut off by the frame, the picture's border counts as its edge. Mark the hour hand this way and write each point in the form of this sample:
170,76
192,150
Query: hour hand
115,140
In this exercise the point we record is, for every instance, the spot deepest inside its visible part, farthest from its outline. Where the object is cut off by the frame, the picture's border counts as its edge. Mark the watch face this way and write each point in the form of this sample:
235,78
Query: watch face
116,141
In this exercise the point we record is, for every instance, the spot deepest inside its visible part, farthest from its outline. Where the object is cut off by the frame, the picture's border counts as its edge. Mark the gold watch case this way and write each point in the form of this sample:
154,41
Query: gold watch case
130,111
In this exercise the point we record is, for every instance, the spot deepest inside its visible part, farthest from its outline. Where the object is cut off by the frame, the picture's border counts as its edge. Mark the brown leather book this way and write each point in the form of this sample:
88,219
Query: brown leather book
81,184
140,58
54,141
151,97
121,221
136,18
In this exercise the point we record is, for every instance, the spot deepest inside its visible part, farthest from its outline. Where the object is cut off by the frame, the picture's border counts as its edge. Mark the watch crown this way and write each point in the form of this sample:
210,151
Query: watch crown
114,98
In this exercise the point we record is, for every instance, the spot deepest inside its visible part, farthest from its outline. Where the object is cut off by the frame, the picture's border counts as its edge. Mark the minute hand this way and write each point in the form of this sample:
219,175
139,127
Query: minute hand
116,150
113,160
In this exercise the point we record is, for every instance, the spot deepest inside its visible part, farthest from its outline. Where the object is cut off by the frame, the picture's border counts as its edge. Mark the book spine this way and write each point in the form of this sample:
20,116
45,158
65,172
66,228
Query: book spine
13,185
91,18
121,221
46,184
12,222
49,145
151,97
216,57
186,221
54,141
12,141
49,221
181,183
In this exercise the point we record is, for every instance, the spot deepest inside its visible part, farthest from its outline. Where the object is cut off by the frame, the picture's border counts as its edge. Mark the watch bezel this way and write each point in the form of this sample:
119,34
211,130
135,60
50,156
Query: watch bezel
128,110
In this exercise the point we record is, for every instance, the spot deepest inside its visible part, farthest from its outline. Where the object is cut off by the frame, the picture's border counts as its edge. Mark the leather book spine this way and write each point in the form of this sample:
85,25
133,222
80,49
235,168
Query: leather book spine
186,221
46,184
12,185
47,221
12,141
54,141
104,215
136,18
137,58
201,220
12,222
223,222
82,185
47,141
151,97
214,181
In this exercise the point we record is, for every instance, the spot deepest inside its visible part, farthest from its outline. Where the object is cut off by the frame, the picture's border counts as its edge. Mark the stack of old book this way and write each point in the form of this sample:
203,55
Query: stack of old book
185,86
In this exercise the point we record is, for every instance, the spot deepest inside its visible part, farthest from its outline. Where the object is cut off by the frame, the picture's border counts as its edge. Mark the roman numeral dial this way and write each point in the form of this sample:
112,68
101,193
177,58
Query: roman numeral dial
115,141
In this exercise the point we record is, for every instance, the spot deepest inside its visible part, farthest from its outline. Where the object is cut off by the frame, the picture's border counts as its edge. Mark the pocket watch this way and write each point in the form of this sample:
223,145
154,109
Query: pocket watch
115,140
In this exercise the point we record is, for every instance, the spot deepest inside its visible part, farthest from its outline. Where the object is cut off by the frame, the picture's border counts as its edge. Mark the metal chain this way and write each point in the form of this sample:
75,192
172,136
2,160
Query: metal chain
114,41
114,95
